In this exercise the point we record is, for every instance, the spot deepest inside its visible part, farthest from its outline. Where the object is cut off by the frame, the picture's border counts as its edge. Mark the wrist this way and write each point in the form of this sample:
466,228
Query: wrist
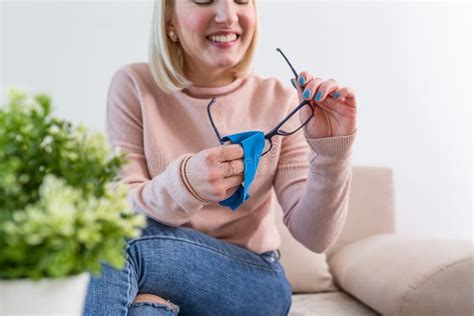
310,135
185,179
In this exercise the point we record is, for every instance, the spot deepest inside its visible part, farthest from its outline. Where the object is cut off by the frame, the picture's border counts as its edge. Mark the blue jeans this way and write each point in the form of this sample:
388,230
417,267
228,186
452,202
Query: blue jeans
197,273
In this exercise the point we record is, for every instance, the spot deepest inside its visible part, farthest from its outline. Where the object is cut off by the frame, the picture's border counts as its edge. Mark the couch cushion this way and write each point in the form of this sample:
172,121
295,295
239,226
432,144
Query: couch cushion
335,303
405,275
307,272
371,206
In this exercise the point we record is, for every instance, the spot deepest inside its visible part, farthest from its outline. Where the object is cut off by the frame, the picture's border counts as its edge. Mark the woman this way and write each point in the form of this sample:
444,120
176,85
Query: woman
197,257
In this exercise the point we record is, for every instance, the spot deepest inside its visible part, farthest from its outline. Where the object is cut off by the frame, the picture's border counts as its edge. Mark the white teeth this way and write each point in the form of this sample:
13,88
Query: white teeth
223,39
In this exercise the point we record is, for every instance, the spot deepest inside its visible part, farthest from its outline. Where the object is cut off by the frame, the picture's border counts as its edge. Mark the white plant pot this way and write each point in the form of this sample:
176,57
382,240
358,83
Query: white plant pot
44,297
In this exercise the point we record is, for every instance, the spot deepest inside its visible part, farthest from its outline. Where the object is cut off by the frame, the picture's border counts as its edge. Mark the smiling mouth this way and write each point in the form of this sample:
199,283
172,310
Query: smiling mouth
223,38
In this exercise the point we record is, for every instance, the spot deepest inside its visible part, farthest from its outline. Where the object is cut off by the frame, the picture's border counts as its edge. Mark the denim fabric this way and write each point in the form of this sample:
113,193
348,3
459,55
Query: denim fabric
152,309
197,273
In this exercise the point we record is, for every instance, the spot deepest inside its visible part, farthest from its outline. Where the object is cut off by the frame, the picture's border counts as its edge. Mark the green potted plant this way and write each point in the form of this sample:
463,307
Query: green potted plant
62,211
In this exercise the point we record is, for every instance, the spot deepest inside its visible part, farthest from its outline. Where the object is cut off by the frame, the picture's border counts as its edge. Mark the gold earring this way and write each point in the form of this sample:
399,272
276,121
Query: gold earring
173,36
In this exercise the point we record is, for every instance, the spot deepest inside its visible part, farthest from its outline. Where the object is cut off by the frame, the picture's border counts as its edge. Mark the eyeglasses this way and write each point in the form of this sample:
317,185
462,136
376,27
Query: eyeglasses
284,128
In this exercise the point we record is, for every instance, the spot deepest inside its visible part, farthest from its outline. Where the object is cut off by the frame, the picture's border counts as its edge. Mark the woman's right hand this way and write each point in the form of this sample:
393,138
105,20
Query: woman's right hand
216,173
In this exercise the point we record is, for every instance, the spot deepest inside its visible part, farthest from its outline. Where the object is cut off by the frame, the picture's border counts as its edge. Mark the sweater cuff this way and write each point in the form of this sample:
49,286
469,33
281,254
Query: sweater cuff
331,149
178,190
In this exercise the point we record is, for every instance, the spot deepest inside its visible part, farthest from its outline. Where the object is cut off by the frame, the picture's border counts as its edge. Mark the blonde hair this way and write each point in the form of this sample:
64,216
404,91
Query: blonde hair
165,57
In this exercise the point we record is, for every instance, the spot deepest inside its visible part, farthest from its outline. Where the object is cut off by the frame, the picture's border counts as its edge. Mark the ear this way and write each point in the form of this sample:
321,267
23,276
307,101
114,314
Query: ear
170,26
171,32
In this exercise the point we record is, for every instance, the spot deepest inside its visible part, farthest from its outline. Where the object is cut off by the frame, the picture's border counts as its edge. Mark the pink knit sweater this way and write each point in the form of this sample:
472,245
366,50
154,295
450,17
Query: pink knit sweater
310,177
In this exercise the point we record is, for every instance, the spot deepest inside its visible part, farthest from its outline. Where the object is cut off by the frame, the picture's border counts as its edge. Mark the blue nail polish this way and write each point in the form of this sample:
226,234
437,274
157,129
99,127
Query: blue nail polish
336,95
301,80
318,96
306,93
293,83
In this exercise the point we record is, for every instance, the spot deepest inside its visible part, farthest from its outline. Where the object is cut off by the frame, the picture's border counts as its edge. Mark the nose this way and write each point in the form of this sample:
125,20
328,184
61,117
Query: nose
226,12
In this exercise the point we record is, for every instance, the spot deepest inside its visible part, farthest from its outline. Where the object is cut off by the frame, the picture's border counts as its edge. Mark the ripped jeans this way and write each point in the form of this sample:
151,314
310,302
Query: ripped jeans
196,273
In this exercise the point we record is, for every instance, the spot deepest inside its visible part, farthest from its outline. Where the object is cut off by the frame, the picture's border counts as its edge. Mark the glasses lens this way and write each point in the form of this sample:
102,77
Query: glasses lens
295,122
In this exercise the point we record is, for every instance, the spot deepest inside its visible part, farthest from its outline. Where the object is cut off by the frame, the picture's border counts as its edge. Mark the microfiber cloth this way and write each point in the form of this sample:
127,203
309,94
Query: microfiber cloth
253,143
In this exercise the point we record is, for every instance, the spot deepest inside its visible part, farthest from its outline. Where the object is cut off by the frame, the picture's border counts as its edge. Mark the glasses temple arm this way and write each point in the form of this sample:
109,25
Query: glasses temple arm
288,62
212,121
274,131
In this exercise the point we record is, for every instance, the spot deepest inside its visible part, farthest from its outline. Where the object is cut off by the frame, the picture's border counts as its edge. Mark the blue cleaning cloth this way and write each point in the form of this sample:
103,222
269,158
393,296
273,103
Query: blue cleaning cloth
253,143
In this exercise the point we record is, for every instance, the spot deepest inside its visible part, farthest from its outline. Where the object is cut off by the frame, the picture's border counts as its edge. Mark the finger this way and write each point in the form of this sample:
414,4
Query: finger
345,93
298,89
231,191
347,96
311,88
231,152
295,84
349,93
233,167
233,181
326,88
303,78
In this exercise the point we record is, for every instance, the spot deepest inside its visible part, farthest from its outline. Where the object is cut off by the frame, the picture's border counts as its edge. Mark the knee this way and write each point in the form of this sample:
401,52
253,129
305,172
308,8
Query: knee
152,298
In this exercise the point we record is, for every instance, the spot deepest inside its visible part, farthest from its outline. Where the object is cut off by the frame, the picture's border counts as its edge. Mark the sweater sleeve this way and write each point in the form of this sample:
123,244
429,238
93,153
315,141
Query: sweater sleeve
312,186
163,198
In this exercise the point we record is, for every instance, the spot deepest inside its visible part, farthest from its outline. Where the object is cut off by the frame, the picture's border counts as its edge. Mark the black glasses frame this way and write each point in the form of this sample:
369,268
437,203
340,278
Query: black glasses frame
276,130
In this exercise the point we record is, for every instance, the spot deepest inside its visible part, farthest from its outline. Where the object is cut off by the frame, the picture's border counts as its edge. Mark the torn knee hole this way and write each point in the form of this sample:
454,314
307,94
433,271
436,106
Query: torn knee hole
151,298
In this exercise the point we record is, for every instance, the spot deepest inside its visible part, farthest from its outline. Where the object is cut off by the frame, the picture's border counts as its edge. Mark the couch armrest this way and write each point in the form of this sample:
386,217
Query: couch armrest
401,275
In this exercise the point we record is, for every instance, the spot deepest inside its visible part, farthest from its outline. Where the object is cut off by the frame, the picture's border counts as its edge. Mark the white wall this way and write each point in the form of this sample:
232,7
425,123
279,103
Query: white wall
409,63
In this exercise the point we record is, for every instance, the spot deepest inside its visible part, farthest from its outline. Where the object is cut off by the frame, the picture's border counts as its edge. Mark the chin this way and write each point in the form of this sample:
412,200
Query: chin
226,63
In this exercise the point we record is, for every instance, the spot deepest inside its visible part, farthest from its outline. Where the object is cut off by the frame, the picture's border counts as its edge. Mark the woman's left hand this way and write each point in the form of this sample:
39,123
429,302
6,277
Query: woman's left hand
333,116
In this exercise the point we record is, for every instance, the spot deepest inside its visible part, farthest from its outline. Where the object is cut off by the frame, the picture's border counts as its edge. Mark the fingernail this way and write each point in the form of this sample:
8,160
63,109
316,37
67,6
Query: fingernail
293,83
318,96
306,93
336,95
301,80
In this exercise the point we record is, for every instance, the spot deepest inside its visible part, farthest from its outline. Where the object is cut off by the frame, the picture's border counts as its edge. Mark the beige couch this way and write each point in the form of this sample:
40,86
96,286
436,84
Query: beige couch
371,270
